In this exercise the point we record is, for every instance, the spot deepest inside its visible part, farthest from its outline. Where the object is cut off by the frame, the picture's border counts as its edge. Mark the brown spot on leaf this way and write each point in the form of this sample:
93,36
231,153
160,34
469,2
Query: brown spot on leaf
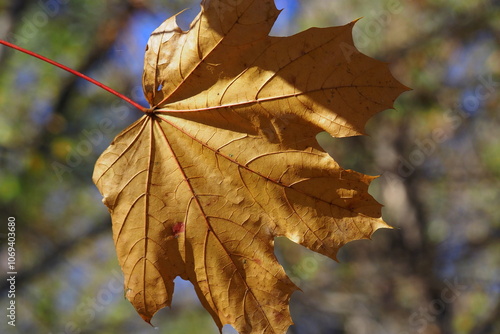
178,228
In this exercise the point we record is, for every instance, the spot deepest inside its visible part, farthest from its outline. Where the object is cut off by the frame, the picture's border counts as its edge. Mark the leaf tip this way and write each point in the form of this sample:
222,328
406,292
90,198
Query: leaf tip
353,22
379,224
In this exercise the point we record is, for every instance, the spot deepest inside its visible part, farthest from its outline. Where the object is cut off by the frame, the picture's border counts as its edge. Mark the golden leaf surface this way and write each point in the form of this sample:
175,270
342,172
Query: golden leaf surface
226,160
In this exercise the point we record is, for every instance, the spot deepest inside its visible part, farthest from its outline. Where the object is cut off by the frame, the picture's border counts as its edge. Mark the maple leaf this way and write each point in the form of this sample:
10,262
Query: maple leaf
226,159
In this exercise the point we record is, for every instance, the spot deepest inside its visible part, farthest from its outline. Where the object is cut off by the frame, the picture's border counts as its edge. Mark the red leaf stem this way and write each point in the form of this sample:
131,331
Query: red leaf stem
89,79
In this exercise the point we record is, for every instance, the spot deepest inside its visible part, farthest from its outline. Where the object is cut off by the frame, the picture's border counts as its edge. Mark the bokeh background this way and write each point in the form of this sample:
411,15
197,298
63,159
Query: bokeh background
436,272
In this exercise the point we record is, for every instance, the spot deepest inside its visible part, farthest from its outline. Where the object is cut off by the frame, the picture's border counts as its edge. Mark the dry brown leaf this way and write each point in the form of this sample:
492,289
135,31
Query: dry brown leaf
226,160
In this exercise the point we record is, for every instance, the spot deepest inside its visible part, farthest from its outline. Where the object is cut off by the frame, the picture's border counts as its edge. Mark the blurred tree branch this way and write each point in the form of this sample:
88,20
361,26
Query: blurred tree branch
49,261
